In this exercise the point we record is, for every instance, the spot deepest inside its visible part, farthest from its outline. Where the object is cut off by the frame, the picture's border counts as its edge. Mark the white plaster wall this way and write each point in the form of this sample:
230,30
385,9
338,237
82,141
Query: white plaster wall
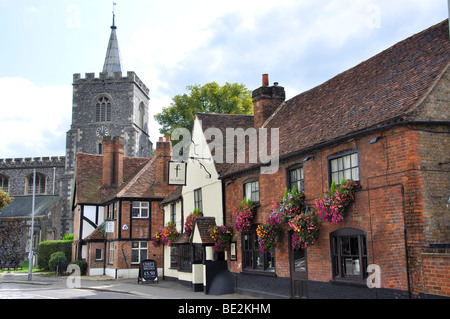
197,177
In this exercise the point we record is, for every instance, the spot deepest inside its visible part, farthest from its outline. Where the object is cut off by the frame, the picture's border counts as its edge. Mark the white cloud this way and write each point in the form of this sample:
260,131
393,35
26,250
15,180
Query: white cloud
33,119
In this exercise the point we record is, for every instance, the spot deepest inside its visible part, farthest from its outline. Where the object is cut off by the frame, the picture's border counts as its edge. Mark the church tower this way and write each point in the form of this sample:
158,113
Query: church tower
113,104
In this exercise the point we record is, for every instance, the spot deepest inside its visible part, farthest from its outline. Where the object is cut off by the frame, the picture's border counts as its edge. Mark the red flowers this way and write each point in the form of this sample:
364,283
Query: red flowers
189,224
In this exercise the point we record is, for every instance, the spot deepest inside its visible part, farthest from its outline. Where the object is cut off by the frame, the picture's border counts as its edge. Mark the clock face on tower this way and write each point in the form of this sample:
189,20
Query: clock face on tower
102,131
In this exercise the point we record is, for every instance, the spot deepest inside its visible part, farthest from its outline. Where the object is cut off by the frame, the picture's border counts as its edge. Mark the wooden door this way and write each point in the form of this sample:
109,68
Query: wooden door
299,273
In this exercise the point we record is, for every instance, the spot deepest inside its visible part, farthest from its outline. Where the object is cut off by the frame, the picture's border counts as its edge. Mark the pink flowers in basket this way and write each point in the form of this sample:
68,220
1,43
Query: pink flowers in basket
244,216
331,205
306,227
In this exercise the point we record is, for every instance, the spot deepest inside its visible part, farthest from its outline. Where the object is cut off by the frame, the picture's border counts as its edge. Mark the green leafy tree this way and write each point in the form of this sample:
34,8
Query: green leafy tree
231,98
5,199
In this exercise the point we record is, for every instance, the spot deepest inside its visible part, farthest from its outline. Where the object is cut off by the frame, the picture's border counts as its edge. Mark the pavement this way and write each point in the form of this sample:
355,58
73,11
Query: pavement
162,289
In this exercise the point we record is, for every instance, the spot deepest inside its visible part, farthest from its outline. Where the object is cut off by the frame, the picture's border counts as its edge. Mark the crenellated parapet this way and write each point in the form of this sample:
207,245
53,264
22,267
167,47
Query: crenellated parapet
116,77
37,162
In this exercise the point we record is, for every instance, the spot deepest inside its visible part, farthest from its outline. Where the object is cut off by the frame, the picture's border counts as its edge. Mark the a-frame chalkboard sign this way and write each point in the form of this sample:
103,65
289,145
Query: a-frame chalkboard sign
148,271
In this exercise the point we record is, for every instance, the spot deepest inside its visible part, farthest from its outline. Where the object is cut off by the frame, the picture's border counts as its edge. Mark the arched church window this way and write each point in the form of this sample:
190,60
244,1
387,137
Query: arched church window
103,109
4,183
40,183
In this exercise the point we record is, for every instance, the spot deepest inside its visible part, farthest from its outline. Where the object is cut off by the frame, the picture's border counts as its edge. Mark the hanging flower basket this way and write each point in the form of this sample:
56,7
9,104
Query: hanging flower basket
283,211
267,237
305,230
222,237
244,216
331,206
167,235
290,206
189,223
156,239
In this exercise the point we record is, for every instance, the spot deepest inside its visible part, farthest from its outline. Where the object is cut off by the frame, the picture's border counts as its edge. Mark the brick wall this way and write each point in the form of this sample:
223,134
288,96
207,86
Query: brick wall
387,204
436,270
136,230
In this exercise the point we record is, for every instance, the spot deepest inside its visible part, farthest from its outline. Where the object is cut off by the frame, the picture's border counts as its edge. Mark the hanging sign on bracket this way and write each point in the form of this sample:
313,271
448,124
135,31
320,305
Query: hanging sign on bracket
177,173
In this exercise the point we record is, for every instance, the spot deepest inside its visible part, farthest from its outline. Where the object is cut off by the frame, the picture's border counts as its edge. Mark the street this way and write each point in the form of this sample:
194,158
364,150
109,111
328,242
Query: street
17,286
24,291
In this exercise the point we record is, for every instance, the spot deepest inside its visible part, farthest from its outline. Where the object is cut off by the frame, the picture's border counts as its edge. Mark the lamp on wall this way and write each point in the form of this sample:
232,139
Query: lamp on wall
375,139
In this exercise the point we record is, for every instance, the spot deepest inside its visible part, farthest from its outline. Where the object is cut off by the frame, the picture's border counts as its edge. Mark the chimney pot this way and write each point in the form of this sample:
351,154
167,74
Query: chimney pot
265,80
161,139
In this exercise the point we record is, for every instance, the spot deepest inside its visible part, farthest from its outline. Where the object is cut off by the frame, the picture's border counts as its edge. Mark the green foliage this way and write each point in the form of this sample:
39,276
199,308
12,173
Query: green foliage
48,247
5,199
231,98
82,264
55,259
68,237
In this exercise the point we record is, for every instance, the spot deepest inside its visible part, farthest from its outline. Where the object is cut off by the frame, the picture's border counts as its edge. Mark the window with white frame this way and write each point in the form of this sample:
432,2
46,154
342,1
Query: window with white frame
344,166
111,253
198,203
98,254
140,209
251,191
296,178
139,251
173,213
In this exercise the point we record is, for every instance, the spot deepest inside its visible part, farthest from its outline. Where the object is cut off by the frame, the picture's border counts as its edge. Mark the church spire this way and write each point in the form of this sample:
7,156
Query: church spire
113,63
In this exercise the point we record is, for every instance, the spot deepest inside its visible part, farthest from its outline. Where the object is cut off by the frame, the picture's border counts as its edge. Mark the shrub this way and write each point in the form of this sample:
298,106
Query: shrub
55,259
82,264
48,247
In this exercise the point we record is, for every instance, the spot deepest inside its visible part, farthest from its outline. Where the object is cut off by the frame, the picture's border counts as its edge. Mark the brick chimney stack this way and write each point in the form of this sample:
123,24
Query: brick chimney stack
163,155
266,99
112,162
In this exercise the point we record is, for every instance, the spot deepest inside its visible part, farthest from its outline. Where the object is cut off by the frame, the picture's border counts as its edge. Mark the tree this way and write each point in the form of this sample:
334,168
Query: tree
231,98
5,199
13,241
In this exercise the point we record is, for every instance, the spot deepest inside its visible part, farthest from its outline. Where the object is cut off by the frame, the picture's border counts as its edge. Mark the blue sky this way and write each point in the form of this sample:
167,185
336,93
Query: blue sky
175,43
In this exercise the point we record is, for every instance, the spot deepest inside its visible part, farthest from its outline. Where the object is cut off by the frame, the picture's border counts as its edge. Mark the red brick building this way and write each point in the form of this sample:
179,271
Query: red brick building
117,208
385,124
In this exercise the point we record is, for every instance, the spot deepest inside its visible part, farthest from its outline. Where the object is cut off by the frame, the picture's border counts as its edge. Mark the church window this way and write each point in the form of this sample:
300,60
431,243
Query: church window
4,183
103,109
141,115
39,183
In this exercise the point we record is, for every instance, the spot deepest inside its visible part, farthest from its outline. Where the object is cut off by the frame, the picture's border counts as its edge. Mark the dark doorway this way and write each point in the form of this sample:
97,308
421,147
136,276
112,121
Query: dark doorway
299,272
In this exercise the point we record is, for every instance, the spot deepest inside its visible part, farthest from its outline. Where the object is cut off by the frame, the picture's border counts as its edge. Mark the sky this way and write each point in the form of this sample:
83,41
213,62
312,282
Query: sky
176,43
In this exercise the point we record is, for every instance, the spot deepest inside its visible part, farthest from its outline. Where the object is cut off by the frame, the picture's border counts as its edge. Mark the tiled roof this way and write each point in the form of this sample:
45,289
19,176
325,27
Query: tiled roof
22,206
139,185
89,175
203,224
174,196
386,88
